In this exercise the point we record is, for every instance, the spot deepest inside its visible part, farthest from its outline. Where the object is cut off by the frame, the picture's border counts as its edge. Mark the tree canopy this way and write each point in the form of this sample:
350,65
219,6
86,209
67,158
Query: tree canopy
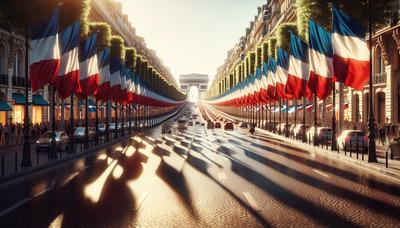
271,47
103,34
283,35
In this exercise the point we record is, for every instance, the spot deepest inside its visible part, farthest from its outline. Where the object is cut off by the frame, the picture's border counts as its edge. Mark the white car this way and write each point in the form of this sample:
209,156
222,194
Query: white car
182,124
348,140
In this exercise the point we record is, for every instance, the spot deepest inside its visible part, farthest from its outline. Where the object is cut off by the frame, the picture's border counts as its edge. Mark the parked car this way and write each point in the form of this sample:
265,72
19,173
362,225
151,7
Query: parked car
182,124
79,133
243,125
228,126
102,128
217,125
394,149
349,139
210,125
43,144
190,123
299,130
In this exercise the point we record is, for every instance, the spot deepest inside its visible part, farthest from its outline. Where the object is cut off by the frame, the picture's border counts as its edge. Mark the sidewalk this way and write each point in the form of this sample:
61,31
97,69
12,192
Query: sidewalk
393,169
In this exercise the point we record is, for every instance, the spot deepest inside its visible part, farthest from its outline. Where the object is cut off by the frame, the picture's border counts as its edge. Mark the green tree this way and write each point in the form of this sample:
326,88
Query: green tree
283,35
271,47
103,34
252,63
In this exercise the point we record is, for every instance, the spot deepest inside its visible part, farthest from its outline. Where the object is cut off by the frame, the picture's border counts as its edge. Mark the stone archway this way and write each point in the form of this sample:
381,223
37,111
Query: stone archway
188,81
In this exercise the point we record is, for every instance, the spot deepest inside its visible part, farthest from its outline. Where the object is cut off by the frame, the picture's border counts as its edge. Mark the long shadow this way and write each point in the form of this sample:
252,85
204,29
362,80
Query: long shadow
318,213
202,166
377,185
114,207
177,182
365,201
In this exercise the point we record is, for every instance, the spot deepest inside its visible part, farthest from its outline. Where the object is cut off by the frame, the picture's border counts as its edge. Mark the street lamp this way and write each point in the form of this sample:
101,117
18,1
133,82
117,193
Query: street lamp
26,148
371,121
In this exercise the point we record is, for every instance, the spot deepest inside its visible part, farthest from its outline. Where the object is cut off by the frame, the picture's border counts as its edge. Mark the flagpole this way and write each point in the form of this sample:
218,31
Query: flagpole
86,142
334,142
53,152
71,146
280,116
108,111
26,148
287,119
96,136
273,124
116,121
304,120
122,120
270,127
371,122
315,121
130,118
295,112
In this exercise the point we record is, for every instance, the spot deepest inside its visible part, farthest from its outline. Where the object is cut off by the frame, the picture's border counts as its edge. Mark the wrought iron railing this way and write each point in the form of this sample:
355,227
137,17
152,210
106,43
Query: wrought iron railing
380,78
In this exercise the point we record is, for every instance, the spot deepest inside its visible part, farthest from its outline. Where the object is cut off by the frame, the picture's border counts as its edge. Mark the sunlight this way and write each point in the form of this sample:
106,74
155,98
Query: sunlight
117,173
94,189
194,94
57,222
102,157
119,149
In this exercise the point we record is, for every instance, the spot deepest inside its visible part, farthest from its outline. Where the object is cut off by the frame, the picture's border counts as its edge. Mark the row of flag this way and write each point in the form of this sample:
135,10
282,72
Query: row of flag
309,69
60,60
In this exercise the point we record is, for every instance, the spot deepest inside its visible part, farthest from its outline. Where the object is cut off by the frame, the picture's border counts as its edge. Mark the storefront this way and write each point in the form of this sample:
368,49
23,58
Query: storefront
37,108
18,108
4,108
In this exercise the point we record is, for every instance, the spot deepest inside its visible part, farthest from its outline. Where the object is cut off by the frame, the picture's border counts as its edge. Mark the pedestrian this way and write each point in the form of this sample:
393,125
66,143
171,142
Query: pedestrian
382,135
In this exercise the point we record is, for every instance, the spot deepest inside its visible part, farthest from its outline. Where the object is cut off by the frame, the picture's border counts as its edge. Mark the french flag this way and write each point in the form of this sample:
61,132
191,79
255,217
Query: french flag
299,69
321,60
350,51
104,81
271,79
264,83
115,79
129,80
124,85
282,67
45,53
89,68
67,80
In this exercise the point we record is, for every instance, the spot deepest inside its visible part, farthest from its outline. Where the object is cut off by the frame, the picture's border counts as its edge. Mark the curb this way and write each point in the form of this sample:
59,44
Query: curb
326,153
336,156
19,176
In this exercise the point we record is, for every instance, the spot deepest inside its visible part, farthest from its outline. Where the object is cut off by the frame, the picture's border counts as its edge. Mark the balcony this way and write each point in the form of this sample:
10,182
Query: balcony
380,78
4,79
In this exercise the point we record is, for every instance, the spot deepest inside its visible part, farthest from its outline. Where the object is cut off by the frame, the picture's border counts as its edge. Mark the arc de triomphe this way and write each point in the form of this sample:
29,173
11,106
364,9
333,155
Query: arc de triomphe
198,80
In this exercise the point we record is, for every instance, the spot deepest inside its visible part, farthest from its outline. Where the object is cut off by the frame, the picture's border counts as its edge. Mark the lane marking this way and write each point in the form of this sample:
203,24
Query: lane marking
15,206
321,173
222,176
42,192
251,201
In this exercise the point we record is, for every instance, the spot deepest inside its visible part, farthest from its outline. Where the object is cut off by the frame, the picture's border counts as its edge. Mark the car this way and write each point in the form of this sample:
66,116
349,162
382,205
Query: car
182,124
217,125
299,131
394,149
244,125
190,123
102,128
197,123
43,144
210,125
350,139
228,126
79,133
202,124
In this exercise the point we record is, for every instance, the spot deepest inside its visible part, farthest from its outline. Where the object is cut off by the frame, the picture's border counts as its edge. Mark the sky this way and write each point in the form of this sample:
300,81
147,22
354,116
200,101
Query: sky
191,36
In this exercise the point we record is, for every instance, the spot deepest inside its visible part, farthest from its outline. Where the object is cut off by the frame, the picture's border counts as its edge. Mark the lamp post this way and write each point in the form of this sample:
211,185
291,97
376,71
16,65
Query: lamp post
287,119
26,148
334,142
315,136
71,145
371,121
86,141
304,121
108,111
116,121
96,135
53,145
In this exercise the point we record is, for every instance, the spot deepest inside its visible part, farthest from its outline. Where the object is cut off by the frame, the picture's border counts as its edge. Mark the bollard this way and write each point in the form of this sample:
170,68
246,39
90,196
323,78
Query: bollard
345,149
350,148
363,148
357,146
2,166
387,160
16,162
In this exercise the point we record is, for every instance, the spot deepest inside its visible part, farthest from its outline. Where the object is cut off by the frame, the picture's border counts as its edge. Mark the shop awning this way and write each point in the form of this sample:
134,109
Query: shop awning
39,100
5,107
90,103
19,98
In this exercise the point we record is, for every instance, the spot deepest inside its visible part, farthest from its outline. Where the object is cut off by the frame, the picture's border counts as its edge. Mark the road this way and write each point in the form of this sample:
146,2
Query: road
202,178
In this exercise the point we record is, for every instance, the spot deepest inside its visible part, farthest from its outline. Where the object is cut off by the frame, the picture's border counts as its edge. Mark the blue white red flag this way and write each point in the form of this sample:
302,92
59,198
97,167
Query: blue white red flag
45,53
351,53
89,67
67,80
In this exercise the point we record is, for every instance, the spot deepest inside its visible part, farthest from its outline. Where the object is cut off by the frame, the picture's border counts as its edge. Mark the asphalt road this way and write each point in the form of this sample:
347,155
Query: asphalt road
202,178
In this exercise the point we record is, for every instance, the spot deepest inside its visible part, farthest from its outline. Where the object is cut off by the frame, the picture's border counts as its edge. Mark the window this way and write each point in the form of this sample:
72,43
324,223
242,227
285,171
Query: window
379,64
3,60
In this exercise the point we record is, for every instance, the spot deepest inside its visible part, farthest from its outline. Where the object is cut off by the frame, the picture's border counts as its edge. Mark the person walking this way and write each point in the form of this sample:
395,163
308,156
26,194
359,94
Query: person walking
382,135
